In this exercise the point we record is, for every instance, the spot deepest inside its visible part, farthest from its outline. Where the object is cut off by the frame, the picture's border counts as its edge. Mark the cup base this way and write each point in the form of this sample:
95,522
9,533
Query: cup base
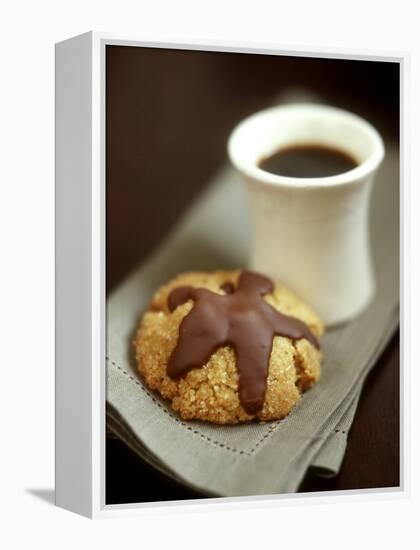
341,320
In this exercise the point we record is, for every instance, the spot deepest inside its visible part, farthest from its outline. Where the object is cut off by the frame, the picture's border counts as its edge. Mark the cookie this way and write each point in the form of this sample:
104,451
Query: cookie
228,347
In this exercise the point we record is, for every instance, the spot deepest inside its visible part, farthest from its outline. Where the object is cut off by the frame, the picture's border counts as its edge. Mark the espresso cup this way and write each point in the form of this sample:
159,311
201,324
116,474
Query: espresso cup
312,234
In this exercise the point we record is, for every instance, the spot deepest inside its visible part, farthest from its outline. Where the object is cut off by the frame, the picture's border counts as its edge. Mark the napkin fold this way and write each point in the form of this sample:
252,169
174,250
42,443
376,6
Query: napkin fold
250,459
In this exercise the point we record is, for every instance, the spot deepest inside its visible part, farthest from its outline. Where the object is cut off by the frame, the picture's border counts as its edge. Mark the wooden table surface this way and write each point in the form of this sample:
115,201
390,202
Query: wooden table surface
168,117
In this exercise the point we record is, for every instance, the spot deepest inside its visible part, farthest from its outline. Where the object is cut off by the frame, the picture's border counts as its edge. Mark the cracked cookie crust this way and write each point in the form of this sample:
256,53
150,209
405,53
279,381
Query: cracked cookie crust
211,391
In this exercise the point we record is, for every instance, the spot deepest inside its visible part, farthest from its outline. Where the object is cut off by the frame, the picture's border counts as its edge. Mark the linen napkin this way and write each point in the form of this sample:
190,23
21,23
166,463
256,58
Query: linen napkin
257,458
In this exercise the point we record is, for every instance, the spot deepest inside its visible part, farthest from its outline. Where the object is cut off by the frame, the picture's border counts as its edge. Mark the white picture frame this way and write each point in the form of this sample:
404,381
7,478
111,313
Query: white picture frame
80,266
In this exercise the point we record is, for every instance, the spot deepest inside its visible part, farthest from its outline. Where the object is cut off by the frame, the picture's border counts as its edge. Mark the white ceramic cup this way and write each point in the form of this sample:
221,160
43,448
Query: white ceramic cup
312,234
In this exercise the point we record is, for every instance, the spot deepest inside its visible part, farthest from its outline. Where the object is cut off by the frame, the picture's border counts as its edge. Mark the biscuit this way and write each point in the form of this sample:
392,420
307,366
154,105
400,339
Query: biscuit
229,324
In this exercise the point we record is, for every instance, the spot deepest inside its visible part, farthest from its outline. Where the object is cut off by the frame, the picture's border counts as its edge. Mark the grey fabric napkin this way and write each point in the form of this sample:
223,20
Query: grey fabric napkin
251,459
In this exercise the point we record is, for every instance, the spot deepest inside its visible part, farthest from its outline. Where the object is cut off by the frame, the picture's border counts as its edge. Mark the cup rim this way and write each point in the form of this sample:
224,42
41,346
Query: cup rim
253,171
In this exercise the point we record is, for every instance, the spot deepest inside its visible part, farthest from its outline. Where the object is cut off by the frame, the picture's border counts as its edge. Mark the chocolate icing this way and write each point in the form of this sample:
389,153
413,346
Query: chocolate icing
240,318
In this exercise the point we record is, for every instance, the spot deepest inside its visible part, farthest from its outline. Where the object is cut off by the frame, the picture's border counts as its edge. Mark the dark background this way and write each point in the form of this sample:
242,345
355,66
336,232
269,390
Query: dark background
168,117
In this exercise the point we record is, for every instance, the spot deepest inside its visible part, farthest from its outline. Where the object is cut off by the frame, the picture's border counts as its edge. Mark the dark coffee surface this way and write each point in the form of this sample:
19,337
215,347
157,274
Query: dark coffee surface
308,161
240,318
